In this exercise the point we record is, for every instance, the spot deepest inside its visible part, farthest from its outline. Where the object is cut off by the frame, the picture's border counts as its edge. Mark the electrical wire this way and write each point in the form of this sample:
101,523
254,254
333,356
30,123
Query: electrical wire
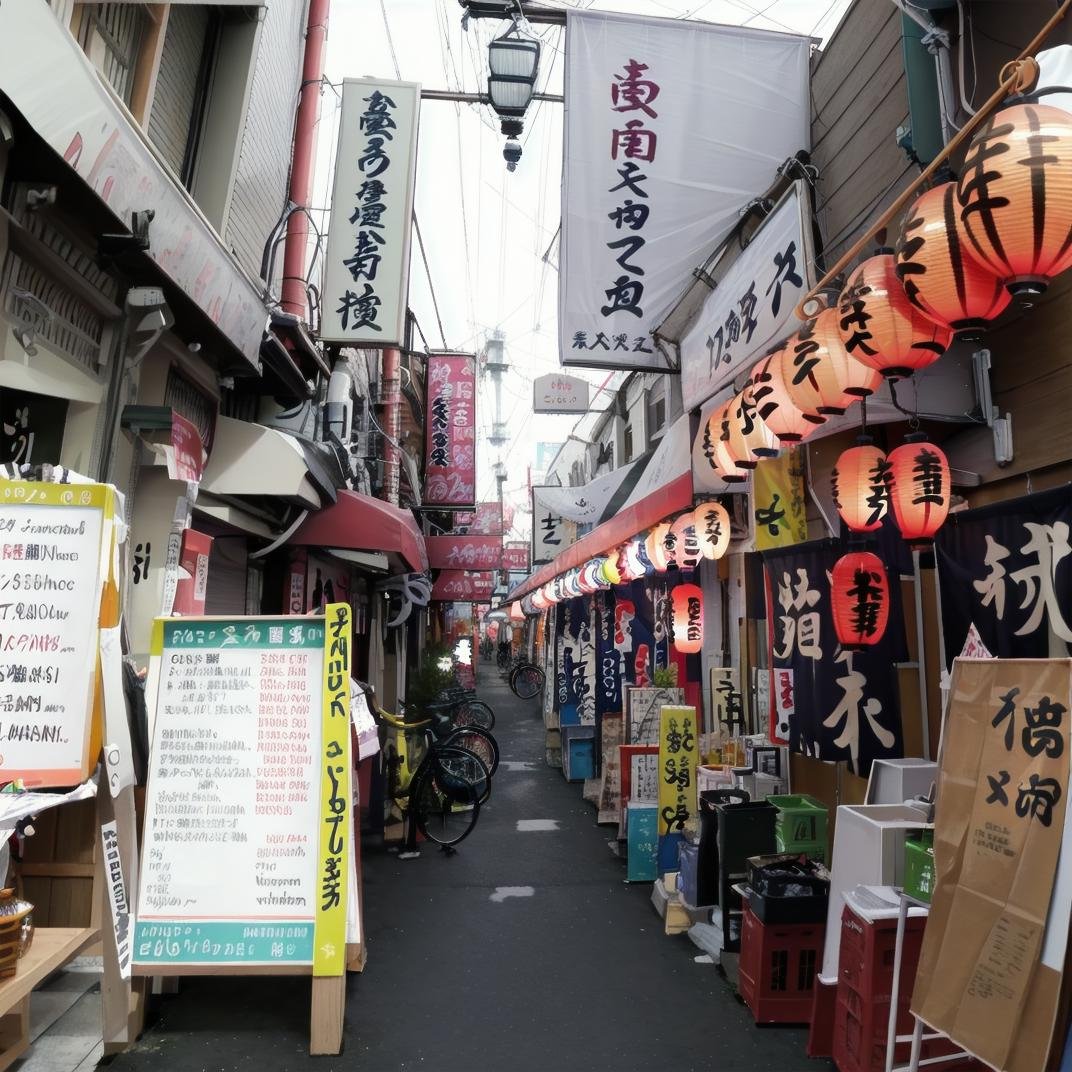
428,273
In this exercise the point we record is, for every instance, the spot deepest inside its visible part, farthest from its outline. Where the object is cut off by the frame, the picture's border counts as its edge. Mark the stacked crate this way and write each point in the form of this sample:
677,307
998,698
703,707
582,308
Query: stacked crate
801,825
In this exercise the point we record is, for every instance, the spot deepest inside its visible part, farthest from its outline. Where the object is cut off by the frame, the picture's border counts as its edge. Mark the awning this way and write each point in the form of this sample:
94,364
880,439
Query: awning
664,488
250,460
362,523
233,517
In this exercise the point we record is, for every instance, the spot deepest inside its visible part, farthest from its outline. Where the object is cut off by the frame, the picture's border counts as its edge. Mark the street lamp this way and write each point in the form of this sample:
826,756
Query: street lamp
513,60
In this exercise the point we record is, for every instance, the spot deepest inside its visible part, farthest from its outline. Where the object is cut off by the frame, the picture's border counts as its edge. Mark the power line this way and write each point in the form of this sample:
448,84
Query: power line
428,273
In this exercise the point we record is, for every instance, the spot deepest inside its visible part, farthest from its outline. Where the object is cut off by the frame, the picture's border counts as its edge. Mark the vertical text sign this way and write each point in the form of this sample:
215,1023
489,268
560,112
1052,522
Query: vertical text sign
450,444
678,746
329,950
366,275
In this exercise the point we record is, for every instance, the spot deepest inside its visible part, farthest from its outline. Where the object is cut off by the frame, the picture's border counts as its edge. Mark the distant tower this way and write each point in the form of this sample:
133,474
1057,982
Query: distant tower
495,365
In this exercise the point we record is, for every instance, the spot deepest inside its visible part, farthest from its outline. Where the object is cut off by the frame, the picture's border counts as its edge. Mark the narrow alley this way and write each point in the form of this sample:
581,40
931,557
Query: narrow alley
524,952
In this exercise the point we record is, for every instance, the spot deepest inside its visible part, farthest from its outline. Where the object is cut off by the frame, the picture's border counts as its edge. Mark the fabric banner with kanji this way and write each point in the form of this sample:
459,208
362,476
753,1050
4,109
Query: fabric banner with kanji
1007,570
778,501
845,703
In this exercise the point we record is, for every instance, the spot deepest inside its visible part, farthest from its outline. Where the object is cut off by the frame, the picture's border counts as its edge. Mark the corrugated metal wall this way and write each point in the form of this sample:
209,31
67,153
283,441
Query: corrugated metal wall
177,81
260,190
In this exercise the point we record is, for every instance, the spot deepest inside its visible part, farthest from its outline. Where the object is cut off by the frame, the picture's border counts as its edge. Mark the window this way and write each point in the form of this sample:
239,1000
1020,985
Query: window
656,412
111,36
627,450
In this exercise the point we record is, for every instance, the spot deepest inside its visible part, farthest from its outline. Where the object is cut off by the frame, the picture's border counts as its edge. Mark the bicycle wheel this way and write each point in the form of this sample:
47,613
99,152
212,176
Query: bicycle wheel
478,741
459,771
526,681
474,713
440,818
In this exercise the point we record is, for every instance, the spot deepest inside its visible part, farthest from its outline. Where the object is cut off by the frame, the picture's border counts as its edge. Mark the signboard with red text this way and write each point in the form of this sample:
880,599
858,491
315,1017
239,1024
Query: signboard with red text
450,444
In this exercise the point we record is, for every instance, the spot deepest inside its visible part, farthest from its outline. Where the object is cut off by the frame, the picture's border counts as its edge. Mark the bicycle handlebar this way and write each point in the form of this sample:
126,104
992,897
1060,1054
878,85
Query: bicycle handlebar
401,724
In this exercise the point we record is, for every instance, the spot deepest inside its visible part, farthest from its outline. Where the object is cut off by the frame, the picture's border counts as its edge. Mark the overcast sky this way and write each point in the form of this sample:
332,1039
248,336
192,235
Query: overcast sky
491,235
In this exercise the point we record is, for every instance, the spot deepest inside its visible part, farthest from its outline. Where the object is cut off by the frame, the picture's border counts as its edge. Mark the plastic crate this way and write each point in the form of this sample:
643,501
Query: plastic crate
768,898
778,968
919,865
814,850
801,819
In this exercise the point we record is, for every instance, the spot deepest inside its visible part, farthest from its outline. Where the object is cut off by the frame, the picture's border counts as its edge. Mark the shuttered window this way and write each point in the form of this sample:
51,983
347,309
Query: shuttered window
111,36
226,591
175,117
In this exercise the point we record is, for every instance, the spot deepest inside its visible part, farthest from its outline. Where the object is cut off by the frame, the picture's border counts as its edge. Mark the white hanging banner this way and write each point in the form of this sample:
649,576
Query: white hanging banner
366,271
672,127
753,304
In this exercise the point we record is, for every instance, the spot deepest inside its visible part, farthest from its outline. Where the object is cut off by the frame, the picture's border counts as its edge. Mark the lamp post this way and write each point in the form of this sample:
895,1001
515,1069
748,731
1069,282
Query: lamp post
513,62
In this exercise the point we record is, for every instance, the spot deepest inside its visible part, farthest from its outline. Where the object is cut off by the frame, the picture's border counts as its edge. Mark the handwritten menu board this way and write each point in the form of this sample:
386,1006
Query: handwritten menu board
51,579
232,817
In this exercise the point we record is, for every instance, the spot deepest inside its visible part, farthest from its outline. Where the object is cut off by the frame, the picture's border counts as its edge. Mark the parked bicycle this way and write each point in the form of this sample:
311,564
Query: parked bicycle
526,680
462,707
437,783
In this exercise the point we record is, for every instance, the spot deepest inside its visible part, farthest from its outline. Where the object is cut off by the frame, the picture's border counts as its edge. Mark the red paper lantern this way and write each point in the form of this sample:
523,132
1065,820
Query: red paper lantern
881,328
611,568
539,600
861,486
712,524
1015,196
920,488
687,602
747,429
716,448
938,276
632,567
818,372
775,406
860,596
687,544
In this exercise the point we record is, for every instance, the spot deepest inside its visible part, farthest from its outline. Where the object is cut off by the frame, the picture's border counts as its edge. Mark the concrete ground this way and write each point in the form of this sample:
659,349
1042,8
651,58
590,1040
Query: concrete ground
525,952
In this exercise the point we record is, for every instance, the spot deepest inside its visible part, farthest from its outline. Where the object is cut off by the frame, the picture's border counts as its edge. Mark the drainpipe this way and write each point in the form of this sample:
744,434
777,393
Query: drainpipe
293,298
390,379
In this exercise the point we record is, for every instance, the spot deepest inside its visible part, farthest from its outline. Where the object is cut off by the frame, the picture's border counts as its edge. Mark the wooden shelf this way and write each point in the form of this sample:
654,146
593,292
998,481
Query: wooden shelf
52,947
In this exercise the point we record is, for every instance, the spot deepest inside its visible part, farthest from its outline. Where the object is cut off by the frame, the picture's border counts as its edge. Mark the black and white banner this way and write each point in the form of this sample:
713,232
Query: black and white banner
672,127
844,704
1007,570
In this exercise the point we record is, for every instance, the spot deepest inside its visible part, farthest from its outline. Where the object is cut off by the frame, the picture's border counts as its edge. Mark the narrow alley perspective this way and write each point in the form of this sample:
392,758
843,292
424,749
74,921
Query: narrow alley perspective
535,535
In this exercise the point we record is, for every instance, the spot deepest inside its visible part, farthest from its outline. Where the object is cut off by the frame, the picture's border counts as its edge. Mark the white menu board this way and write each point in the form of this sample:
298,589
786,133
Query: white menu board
231,817
51,578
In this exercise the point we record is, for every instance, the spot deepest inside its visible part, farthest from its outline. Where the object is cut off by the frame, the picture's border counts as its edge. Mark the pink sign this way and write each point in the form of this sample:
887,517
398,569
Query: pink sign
189,454
515,557
463,586
450,449
488,519
464,552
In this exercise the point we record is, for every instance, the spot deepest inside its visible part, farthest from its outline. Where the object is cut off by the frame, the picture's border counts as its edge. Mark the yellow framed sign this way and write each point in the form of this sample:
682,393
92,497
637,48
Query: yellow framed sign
55,555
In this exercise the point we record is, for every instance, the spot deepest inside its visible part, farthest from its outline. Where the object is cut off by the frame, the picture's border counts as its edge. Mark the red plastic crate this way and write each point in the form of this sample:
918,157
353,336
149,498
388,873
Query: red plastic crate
865,983
778,967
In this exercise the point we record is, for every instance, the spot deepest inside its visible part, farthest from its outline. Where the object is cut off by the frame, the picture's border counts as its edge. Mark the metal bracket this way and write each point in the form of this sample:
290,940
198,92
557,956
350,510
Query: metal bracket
1001,427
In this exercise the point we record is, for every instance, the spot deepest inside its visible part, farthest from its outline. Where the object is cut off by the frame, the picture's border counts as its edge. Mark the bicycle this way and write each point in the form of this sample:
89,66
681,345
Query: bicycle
526,680
442,793
463,708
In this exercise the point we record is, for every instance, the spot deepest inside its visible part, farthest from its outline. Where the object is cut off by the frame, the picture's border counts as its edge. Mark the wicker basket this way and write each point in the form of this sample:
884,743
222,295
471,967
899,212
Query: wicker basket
16,931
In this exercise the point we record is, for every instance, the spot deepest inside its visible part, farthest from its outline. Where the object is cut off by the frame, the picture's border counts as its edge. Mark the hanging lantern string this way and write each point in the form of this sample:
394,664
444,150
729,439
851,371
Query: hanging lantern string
1017,76
912,415
863,412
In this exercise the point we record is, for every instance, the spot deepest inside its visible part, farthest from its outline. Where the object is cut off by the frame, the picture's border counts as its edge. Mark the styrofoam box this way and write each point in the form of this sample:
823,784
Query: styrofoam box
868,851
893,781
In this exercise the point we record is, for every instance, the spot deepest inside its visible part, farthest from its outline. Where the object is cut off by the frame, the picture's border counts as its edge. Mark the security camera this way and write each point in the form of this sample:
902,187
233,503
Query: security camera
145,298
36,196
512,154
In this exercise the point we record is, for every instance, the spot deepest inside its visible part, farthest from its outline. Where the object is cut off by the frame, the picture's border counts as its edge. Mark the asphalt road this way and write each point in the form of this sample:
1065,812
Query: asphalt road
524,952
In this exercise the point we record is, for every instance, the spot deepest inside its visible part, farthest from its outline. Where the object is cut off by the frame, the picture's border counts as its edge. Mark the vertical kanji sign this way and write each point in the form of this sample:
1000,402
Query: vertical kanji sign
366,271
678,752
333,868
669,134
994,948
450,443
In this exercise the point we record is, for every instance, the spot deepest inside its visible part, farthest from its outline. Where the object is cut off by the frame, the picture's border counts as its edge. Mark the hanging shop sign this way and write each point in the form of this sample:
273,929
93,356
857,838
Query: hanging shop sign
669,134
248,794
98,141
463,586
778,503
491,519
31,427
1006,569
844,703
55,555
679,749
515,556
551,533
366,271
727,701
450,442
593,502
753,304
186,459
558,393
994,950
464,552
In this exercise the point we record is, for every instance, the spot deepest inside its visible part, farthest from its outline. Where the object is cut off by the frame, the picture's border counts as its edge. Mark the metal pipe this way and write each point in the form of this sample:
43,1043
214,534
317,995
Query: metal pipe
293,296
480,98
1017,76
